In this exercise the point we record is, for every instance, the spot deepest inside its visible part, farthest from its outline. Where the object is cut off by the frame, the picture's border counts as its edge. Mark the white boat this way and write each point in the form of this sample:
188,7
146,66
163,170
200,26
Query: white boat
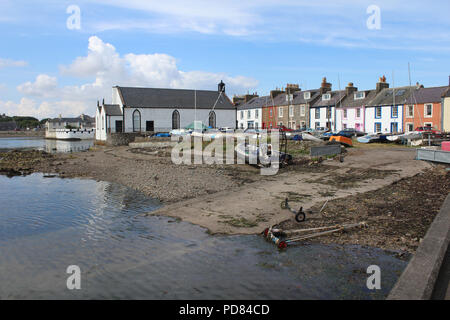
310,137
263,154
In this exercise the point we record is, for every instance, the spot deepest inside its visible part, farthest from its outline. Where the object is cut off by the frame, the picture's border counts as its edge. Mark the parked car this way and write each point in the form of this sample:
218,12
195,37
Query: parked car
322,129
353,132
226,129
427,129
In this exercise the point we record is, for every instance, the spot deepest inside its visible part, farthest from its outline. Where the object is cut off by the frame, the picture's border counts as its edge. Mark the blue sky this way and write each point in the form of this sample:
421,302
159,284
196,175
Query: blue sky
254,46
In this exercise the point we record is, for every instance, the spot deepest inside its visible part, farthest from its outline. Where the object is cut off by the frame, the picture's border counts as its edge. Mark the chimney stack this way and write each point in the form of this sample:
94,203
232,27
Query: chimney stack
350,88
325,86
291,88
275,93
382,84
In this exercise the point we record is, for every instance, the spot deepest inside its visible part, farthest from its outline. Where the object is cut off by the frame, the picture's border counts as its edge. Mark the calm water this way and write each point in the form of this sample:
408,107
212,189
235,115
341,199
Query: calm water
48,224
45,144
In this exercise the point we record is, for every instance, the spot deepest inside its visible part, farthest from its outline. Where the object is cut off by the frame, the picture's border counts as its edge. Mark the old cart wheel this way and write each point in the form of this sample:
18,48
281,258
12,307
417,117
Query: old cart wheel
300,217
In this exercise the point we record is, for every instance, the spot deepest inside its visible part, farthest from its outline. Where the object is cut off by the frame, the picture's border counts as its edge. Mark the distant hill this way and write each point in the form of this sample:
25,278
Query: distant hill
21,122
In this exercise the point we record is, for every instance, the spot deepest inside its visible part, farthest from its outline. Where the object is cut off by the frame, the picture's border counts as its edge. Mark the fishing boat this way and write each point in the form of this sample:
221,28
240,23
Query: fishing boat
342,140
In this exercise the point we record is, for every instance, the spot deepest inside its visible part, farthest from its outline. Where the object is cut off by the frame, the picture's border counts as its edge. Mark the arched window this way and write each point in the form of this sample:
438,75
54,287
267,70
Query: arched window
212,119
136,121
176,120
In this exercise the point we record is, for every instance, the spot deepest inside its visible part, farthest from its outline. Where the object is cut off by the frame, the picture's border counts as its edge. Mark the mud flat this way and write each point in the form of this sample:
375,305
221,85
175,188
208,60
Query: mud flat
236,199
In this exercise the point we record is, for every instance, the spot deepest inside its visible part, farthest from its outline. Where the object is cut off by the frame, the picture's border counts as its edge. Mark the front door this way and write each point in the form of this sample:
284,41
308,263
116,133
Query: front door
119,125
149,126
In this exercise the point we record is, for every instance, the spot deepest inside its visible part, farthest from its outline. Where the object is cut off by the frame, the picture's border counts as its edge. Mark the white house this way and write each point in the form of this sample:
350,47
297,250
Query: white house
322,114
161,110
249,114
384,114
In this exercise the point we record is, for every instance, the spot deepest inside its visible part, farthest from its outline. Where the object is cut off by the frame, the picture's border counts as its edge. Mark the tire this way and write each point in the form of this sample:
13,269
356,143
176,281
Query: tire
300,217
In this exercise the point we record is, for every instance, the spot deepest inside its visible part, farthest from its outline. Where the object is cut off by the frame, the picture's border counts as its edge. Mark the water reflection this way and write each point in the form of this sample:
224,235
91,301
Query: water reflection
122,254
47,145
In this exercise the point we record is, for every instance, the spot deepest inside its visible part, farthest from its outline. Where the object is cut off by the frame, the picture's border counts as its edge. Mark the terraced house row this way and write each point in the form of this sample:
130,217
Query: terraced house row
381,110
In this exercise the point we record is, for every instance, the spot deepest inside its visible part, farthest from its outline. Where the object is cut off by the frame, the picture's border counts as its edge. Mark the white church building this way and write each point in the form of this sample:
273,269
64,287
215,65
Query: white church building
137,110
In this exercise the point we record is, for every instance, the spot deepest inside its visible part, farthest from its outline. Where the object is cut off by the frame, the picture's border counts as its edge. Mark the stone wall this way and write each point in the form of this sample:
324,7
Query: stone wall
121,139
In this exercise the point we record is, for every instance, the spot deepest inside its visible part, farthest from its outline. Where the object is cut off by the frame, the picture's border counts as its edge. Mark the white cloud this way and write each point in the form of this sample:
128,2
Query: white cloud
106,67
4,63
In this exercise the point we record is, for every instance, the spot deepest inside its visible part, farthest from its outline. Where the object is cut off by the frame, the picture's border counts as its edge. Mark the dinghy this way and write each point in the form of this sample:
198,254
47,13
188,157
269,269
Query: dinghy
310,137
342,140
262,154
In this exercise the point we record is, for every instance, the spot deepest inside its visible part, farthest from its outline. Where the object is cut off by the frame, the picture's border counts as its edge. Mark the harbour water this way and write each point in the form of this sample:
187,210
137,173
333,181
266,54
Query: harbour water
45,144
48,224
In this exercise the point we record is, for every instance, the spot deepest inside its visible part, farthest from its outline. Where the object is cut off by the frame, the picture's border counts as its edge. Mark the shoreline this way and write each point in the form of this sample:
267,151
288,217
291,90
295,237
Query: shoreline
235,199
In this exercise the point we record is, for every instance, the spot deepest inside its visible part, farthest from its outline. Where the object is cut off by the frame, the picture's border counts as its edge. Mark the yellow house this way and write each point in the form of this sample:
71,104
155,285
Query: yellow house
446,111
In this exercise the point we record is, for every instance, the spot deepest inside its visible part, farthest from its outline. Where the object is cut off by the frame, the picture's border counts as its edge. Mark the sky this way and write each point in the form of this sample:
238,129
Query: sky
60,57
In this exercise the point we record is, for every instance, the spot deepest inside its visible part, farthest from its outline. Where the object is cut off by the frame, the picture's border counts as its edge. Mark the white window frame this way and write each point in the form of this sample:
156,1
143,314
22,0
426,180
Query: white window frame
302,110
242,114
407,124
317,113
307,95
358,110
345,112
408,115
381,128
425,110
249,114
291,111
359,95
326,97
280,111
256,113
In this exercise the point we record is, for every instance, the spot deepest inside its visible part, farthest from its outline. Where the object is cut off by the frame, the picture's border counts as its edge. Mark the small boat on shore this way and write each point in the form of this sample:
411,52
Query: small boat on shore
342,140
262,154
370,138
310,137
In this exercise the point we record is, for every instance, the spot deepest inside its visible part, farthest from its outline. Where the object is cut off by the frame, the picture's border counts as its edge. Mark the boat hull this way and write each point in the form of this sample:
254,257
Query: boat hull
342,140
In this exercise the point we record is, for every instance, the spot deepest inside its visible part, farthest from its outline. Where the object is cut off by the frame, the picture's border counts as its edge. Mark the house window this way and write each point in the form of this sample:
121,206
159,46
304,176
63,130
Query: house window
410,111
175,120
409,127
345,126
328,112
280,111
377,127
428,110
249,114
256,113
256,125
345,113
358,113
291,111
377,112
136,121
212,119
303,124
270,112
302,110
307,95
242,115
326,97
317,125
289,97
394,127
394,112
428,124
360,95
317,113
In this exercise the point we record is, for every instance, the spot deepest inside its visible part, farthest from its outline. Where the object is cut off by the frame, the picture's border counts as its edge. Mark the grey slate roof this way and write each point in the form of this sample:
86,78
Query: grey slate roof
257,102
112,109
385,97
173,98
427,95
299,97
350,102
336,98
